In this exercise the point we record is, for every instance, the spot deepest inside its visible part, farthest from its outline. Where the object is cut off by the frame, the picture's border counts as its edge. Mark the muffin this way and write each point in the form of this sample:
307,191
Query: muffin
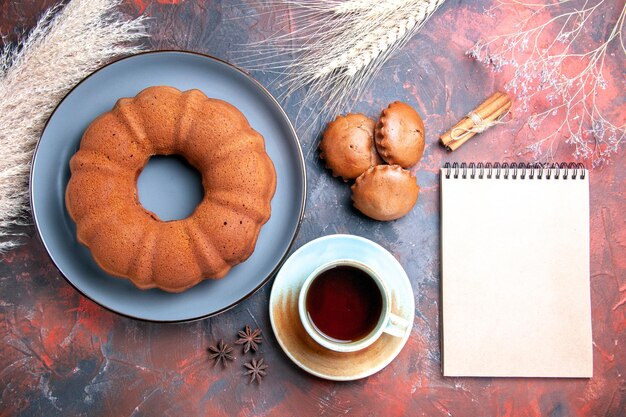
348,147
400,135
385,192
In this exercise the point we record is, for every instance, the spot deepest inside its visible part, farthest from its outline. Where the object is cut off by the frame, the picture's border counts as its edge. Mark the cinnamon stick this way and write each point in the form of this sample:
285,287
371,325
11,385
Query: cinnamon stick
478,120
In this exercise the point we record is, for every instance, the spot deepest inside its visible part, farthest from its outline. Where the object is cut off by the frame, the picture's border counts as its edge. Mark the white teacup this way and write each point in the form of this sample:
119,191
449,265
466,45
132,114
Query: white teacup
387,323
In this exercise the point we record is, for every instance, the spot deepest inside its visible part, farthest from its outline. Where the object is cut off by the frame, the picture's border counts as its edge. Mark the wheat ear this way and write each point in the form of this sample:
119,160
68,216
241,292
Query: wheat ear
67,44
336,48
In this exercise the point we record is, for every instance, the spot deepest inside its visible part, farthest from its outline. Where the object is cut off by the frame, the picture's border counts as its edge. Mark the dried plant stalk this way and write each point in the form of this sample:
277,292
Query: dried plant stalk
567,69
66,45
335,48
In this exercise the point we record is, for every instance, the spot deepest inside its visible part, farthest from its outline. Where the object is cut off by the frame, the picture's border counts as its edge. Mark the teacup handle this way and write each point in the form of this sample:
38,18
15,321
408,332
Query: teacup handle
396,325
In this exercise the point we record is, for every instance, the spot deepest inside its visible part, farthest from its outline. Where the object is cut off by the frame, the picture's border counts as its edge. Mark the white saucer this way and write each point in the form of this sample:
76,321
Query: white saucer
290,333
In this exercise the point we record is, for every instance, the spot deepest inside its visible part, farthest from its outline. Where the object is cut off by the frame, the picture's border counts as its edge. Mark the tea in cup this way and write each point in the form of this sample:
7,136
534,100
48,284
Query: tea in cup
345,306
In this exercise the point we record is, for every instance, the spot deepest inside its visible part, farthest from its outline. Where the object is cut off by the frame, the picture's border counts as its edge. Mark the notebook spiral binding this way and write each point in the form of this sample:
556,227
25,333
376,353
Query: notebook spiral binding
515,171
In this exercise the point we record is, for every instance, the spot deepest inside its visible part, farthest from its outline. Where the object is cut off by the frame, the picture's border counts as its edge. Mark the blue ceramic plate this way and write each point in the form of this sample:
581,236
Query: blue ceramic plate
97,94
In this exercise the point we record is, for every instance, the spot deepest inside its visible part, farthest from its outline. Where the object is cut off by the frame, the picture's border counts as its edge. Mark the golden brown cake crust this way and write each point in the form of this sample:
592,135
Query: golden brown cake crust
400,135
128,241
348,146
385,192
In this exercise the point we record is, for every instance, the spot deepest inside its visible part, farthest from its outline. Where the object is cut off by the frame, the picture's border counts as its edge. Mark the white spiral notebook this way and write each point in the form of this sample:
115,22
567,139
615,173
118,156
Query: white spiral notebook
515,270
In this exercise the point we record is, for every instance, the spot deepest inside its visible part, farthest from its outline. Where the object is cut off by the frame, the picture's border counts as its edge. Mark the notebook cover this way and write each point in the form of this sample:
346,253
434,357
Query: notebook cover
515,276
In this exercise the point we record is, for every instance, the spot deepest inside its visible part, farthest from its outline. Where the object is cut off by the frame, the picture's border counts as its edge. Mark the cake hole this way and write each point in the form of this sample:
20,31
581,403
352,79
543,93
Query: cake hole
169,187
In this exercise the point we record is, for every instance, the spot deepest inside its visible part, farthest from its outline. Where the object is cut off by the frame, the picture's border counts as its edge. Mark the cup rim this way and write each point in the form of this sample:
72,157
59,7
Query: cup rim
322,339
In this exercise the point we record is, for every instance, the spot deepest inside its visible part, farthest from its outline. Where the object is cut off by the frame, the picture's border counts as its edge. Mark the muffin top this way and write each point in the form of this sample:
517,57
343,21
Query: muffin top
348,147
400,135
385,192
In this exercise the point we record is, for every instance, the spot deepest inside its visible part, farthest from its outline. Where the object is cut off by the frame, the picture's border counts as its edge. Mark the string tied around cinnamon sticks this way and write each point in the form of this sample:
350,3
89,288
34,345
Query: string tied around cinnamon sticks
489,113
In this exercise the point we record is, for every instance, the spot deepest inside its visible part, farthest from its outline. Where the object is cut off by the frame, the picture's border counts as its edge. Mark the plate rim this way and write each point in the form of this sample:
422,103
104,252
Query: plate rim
301,161
373,370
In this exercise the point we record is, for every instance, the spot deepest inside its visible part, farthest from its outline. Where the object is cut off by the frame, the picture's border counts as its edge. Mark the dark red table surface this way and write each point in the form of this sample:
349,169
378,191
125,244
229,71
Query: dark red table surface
61,354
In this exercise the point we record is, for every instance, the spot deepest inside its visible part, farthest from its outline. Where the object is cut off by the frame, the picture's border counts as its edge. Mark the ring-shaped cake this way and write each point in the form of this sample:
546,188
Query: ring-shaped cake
128,241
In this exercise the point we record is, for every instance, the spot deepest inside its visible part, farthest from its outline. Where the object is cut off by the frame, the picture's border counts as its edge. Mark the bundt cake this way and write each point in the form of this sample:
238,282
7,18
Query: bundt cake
128,241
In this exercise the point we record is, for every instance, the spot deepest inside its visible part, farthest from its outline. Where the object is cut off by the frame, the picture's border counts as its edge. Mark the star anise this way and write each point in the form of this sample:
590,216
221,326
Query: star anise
221,353
256,370
250,339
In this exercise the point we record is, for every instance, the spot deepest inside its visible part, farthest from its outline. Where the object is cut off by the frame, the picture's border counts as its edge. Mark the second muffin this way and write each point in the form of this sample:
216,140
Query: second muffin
348,146
400,135
385,192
